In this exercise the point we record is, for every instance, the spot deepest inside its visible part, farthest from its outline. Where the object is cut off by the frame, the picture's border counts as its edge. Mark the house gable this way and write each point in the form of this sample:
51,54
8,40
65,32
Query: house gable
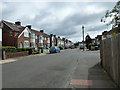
25,30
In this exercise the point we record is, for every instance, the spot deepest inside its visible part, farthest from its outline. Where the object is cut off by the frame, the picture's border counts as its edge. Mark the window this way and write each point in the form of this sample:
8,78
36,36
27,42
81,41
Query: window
33,36
26,34
26,44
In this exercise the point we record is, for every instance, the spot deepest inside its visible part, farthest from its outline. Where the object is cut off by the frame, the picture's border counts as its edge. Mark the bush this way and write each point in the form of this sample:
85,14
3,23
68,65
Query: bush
8,49
20,49
25,49
30,50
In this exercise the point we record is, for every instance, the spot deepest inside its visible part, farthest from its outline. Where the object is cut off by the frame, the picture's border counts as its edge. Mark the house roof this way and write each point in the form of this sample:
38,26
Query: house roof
13,26
39,33
21,28
116,30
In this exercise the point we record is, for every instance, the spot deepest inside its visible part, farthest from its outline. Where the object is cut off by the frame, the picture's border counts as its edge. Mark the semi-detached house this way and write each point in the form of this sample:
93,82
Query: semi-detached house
23,36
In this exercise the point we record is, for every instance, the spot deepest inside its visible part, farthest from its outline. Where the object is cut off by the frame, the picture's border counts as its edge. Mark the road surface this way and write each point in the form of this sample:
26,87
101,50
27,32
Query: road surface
60,70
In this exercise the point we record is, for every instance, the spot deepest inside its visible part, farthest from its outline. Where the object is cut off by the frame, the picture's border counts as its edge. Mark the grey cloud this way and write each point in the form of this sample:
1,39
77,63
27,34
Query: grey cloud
65,27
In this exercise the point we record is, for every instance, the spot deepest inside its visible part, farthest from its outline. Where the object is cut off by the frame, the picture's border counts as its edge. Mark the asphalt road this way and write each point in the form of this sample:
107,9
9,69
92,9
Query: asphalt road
51,71
48,71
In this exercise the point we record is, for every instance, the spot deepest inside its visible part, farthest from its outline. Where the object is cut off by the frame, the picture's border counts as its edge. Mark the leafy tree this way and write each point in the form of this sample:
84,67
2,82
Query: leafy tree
88,41
114,14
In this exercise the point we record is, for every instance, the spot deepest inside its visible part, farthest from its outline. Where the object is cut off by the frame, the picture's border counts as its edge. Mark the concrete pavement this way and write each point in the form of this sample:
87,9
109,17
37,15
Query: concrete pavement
89,73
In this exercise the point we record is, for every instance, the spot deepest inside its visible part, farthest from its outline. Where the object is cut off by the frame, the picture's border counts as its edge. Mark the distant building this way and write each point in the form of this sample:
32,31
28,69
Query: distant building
14,34
113,32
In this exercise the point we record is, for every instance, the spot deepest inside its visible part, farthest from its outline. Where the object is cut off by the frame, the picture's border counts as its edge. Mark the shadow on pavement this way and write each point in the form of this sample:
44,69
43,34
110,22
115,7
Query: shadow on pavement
99,78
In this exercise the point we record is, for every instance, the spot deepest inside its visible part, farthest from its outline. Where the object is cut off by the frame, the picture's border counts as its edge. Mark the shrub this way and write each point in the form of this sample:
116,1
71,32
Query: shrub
20,49
8,49
30,50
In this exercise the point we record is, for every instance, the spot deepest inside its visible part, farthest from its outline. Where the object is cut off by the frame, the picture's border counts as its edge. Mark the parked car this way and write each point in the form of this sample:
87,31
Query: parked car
94,47
54,49
82,47
65,47
72,47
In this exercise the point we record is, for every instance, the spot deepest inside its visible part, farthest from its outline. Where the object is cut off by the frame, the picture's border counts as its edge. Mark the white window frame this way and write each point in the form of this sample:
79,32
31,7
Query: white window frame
26,44
26,34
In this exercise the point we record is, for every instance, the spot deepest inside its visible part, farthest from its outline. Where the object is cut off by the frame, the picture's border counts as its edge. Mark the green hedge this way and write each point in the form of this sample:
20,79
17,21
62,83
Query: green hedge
14,49
8,49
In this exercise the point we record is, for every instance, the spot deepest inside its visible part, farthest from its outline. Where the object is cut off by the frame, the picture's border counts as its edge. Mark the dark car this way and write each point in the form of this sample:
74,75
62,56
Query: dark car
54,49
65,47
72,47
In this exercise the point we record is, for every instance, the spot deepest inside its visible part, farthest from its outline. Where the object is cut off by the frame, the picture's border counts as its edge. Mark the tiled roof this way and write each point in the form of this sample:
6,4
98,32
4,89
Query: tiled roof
116,30
13,26
21,28
39,33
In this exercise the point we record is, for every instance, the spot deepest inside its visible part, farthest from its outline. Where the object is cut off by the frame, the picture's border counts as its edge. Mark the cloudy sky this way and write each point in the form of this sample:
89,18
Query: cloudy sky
61,18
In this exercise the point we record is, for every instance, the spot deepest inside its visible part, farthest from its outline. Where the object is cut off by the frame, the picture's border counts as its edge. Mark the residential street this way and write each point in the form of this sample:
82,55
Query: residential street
70,68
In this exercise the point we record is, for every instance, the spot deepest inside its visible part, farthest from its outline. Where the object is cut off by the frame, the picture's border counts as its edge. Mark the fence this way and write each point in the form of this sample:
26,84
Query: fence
110,57
7,55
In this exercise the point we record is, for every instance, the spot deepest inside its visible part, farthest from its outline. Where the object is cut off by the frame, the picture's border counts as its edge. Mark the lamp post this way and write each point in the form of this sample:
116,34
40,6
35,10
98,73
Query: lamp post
83,36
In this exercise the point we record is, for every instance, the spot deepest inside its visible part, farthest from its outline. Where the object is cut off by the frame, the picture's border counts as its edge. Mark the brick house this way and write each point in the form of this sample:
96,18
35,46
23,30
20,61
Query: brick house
111,33
23,36
46,39
14,34
53,40
59,41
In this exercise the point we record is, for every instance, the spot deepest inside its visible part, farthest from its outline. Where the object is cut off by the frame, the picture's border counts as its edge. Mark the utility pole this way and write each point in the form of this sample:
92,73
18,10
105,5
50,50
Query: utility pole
83,36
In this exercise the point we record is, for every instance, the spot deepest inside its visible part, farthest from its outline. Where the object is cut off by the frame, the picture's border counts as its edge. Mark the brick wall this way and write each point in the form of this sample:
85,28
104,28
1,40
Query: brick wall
8,40
22,39
7,55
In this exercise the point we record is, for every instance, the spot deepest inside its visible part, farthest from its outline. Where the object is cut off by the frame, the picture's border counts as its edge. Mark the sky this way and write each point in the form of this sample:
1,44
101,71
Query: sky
63,19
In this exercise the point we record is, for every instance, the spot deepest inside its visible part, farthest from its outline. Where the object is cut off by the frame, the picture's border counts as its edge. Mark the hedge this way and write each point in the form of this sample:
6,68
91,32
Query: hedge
8,49
14,49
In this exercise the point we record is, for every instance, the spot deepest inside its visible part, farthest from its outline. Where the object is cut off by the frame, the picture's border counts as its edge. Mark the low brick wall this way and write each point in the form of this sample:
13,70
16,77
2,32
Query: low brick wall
7,55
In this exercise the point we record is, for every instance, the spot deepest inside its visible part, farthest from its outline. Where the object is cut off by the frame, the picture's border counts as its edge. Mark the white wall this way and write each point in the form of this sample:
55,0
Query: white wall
0,34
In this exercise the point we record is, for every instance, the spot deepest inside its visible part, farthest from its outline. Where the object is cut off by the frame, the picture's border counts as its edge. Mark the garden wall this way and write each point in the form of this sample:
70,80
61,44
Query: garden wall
7,55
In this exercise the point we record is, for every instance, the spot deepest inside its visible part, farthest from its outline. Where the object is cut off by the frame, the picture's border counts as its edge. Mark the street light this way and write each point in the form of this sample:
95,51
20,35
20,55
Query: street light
83,36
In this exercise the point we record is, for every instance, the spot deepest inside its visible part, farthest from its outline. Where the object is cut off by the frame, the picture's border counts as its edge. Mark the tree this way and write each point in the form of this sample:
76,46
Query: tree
114,15
88,41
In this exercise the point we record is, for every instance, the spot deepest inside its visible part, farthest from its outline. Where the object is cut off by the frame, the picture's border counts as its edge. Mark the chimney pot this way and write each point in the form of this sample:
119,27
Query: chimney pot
18,23
42,31
29,26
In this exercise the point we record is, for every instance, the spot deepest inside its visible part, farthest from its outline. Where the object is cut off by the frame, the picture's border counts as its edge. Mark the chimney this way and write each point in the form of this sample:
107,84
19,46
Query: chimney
29,26
63,39
18,23
51,35
42,31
